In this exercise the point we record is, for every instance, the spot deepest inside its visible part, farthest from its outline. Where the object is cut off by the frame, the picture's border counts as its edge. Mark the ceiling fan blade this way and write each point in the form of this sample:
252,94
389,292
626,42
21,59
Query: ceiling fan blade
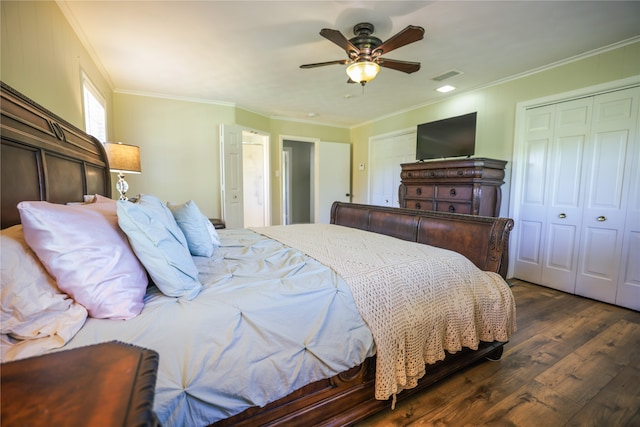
322,64
338,38
404,66
409,35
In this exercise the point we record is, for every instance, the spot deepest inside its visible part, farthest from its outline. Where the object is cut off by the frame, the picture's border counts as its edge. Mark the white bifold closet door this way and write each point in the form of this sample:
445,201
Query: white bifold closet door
577,226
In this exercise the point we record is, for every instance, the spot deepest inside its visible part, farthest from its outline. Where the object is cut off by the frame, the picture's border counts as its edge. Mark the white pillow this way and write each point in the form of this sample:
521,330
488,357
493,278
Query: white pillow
193,224
160,245
36,316
89,256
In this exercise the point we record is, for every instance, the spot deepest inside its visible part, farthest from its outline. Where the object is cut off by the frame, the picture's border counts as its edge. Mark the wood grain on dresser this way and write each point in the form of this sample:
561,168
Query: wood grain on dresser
108,384
467,186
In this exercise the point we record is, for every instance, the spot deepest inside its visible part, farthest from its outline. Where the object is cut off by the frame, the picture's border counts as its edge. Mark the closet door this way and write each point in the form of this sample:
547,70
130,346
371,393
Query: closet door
565,194
531,225
551,206
579,214
628,294
609,162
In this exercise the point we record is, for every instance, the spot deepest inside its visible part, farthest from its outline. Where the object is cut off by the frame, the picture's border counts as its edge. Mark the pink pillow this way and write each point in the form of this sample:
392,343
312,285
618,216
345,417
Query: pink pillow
87,253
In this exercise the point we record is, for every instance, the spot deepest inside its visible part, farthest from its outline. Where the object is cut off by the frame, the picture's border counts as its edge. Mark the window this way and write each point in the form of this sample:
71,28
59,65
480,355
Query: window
95,118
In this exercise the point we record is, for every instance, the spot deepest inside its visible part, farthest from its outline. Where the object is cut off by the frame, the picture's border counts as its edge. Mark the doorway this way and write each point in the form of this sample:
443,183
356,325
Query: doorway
255,149
315,174
244,166
297,181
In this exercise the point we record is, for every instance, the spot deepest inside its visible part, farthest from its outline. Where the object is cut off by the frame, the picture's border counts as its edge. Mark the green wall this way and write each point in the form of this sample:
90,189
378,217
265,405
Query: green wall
43,58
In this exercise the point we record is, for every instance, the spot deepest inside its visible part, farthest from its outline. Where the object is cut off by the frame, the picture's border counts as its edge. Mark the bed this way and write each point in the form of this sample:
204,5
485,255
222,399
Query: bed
277,326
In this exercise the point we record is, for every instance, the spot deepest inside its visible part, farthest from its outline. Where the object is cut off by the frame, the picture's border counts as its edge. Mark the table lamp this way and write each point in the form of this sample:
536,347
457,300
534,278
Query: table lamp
123,158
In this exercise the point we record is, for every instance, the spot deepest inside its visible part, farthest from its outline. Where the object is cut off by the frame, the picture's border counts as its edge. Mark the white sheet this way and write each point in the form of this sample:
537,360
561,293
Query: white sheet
269,321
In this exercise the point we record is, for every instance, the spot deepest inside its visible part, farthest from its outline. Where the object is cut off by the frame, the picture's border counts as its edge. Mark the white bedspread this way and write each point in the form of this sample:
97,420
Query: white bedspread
418,300
269,321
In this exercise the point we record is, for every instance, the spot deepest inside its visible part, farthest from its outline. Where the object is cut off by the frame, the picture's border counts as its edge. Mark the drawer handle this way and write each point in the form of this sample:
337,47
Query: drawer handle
432,174
418,205
452,192
418,191
452,208
562,216
460,172
602,218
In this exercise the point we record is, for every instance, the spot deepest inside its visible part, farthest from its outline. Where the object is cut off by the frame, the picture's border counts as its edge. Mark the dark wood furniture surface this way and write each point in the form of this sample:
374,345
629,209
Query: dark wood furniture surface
466,186
217,223
44,157
33,138
484,240
109,384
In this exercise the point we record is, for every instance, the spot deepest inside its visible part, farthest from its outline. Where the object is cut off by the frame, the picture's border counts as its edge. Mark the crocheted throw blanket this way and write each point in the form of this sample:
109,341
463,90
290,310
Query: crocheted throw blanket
418,300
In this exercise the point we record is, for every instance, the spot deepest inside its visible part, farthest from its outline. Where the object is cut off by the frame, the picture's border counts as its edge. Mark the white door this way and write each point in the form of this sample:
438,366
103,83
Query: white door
628,294
332,178
610,155
231,176
531,226
386,156
565,201
254,184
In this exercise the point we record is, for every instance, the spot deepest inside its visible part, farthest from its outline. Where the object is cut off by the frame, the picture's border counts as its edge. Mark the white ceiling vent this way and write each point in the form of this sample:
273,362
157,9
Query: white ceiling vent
447,75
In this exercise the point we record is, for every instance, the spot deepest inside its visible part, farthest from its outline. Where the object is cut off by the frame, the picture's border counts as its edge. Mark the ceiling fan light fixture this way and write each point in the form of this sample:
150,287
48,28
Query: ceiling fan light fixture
363,71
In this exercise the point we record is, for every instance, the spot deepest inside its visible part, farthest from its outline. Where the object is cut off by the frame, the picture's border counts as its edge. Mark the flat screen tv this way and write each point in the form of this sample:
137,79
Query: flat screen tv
452,137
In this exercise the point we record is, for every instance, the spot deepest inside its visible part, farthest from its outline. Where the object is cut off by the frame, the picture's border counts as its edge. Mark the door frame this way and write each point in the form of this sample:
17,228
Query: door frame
517,169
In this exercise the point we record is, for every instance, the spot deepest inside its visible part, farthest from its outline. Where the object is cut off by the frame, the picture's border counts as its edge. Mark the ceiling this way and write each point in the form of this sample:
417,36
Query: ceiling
248,53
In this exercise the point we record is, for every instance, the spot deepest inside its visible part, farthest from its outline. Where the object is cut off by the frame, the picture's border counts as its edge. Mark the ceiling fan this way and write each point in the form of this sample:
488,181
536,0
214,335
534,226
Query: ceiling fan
365,51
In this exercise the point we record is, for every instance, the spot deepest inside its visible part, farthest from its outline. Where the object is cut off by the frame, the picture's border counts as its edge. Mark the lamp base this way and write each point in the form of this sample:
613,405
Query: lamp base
122,187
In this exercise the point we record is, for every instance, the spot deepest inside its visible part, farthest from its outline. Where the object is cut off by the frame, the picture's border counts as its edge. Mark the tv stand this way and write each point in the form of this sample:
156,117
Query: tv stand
468,186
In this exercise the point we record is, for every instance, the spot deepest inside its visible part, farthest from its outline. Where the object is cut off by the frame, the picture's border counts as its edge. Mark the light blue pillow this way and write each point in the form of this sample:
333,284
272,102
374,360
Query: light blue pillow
193,224
160,246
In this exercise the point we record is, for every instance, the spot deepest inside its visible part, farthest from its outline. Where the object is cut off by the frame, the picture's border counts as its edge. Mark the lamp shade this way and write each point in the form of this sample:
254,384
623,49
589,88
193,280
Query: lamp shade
123,157
363,72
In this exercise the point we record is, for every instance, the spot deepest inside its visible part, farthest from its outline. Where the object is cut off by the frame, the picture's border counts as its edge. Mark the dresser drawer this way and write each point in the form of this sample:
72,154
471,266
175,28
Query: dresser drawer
454,192
453,207
426,205
420,191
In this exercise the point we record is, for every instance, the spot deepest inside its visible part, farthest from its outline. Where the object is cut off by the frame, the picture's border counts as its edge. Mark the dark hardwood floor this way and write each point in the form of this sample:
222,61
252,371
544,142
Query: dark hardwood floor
572,362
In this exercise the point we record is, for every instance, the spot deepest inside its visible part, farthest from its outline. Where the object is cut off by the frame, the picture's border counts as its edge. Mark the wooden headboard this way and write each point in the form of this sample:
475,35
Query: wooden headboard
45,158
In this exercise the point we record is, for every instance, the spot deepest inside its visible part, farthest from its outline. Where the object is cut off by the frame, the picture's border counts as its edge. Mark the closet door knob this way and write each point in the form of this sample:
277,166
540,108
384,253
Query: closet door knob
562,215
602,218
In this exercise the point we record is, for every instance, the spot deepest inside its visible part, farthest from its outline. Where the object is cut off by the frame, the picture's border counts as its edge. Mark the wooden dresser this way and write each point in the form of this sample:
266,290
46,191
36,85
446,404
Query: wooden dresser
468,186
109,384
